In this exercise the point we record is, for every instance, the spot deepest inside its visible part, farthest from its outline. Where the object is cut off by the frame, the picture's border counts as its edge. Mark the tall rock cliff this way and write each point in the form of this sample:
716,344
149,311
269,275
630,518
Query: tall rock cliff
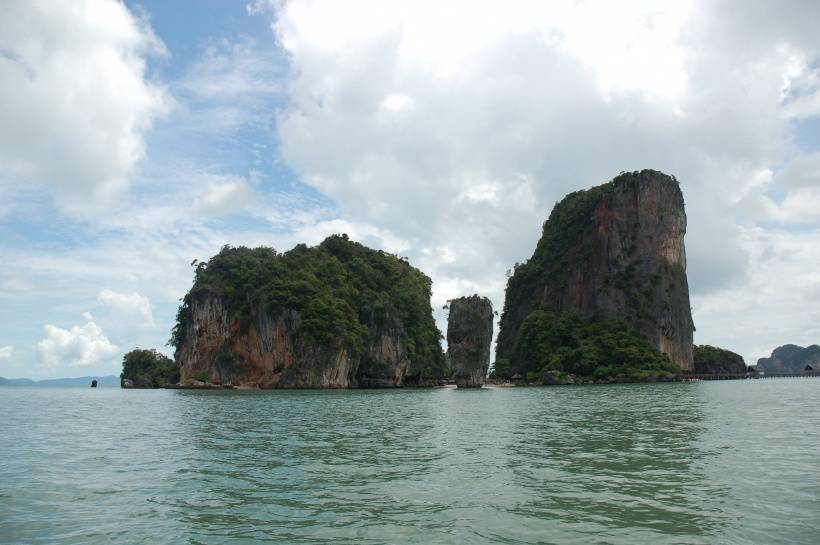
469,335
614,252
337,315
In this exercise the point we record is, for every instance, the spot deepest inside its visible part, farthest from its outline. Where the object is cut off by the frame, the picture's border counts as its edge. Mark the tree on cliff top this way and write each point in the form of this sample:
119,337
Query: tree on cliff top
340,288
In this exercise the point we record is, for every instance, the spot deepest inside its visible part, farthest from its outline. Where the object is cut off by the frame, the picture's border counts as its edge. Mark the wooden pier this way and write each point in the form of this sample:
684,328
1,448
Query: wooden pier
743,376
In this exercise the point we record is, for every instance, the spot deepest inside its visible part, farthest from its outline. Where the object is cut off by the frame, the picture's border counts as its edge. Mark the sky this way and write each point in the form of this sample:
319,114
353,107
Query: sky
139,136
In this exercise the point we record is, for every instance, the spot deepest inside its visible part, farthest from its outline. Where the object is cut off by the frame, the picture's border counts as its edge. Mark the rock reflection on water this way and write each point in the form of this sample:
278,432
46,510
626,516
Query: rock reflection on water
657,463
452,466
616,470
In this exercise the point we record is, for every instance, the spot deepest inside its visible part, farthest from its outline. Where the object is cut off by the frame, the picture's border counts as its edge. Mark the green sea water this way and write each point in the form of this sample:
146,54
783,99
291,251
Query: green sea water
730,462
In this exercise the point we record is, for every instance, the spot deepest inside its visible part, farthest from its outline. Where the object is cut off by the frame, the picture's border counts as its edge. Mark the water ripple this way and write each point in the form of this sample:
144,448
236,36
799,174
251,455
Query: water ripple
725,462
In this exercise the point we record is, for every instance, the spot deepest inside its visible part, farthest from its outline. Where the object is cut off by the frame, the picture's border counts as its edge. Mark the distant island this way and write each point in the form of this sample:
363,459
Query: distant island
108,380
791,358
604,298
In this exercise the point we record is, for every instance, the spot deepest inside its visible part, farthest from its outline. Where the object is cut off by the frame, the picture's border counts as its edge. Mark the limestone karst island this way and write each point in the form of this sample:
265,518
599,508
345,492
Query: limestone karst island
604,298
300,272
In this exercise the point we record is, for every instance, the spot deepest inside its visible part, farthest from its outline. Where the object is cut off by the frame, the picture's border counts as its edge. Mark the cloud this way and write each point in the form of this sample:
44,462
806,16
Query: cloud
455,129
75,101
229,87
79,346
444,133
224,195
13,286
140,251
228,70
776,304
6,352
129,305
804,171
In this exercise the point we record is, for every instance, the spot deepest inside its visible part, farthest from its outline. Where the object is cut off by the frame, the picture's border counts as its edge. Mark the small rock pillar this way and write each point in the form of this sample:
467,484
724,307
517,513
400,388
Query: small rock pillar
469,335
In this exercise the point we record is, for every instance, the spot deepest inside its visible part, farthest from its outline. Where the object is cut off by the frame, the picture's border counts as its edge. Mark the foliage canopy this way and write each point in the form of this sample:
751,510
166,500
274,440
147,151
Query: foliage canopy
149,368
711,359
341,289
567,343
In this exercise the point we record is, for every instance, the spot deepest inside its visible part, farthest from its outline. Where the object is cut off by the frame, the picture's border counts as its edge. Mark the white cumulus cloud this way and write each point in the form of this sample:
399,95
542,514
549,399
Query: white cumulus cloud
456,126
223,194
80,346
129,305
6,352
75,101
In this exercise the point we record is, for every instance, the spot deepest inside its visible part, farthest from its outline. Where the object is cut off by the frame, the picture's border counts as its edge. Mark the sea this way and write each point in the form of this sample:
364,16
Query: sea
724,462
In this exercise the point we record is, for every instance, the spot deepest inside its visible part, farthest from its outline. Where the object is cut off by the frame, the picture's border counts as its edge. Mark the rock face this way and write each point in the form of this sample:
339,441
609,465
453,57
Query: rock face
790,358
712,360
613,252
469,335
326,328
272,352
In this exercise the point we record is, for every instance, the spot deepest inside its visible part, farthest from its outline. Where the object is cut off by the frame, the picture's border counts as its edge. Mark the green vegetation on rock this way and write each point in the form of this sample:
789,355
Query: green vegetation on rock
558,249
605,288
340,288
149,369
558,345
550,261
713,360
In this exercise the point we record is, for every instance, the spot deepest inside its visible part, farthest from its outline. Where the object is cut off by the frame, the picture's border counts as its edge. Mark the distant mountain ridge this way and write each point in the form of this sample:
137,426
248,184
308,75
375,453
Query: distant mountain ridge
108,380
790,358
